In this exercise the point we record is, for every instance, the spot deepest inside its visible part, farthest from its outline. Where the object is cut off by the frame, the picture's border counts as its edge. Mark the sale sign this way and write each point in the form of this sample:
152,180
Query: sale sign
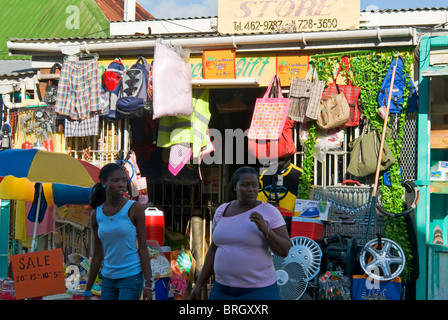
38,274
218,64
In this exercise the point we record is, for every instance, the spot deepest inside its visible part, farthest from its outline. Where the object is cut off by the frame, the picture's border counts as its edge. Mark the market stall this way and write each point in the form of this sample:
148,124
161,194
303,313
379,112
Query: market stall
181,140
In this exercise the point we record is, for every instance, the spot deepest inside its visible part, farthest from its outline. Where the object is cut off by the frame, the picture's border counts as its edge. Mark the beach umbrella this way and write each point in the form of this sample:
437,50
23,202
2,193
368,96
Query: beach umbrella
45,178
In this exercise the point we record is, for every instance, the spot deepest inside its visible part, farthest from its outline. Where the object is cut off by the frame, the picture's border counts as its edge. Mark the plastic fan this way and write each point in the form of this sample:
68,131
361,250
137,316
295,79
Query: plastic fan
291,281
307,253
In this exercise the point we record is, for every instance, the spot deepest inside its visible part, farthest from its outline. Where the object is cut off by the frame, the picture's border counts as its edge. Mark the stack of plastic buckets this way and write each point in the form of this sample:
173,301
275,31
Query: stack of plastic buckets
155,230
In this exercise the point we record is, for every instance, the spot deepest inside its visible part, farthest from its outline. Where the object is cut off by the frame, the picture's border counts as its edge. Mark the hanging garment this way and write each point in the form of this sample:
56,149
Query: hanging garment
179,156
43,227
280,189
78,89
82,128
192,129
20,221
172,93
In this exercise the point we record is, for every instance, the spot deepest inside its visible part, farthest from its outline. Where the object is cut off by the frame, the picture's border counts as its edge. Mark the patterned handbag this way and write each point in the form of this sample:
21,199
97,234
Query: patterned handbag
351,93
305,95
269,114
275,149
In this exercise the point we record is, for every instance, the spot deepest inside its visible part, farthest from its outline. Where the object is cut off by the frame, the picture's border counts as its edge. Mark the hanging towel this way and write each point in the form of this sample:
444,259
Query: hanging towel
46,226
179,156
42,207
20,221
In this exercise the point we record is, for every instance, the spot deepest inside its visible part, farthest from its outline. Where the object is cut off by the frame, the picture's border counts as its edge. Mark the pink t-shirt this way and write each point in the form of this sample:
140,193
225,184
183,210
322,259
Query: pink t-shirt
243,258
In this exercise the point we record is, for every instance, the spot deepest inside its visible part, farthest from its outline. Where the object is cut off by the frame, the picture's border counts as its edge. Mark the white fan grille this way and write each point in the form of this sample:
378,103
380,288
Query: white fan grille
291,281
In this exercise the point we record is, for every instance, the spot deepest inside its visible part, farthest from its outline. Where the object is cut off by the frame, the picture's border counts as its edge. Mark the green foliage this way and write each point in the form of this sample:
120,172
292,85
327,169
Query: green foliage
308,163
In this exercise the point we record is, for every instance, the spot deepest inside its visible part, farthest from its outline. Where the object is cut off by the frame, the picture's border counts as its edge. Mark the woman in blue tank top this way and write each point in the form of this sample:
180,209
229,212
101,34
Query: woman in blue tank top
119,232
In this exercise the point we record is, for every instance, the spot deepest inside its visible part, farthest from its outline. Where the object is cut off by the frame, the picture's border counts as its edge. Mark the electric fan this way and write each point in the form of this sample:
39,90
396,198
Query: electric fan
307,253
290,279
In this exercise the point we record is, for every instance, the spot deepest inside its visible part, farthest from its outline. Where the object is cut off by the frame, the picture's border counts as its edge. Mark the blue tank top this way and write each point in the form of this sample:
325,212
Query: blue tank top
118,236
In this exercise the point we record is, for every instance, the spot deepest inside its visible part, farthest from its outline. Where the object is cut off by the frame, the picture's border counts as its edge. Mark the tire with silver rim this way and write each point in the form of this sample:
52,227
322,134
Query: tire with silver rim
384,262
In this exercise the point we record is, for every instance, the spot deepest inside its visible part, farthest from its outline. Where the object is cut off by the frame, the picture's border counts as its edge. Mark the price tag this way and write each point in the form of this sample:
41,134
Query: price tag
38,274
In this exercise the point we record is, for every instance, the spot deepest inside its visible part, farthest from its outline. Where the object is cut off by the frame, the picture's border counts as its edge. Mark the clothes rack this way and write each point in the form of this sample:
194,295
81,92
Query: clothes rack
81,56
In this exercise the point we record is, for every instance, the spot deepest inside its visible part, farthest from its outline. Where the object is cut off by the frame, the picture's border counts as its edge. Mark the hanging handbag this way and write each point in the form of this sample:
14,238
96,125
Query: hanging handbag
305,95
270,113
365,151
51,90
333,112
274,149
351,94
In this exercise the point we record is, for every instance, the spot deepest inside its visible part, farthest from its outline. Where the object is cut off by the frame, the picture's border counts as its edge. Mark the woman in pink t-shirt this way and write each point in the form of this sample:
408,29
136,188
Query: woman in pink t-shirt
245,231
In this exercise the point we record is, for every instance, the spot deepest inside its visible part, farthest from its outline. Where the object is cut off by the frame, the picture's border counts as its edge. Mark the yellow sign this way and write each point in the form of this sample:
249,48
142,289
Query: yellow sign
219,64
253,16
291,66
261,65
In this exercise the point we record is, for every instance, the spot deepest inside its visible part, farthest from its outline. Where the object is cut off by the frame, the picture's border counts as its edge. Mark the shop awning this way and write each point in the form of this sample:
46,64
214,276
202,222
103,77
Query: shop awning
438,70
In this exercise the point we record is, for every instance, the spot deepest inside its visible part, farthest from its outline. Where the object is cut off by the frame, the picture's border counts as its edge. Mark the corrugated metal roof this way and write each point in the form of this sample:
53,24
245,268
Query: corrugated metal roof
113,9
136,37
15,66
50,18
409,9
176,19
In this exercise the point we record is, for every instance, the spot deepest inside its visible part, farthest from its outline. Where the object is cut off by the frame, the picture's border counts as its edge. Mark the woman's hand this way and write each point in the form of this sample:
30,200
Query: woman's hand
147,294
195,294
278,238
259,221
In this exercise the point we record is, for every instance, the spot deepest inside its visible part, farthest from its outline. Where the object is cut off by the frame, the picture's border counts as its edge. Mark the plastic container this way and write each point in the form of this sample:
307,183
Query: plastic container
161,288
167,252
307,227
155,225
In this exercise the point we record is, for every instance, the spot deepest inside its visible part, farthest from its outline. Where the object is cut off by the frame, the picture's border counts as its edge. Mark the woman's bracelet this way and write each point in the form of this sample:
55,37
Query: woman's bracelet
267,234
146,285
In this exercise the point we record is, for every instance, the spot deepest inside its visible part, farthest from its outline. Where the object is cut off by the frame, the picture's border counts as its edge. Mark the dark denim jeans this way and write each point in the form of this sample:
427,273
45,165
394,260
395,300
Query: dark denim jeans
222,292
129,288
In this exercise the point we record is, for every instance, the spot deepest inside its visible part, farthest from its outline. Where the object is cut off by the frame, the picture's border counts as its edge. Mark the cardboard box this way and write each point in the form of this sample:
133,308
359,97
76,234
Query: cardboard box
443,166
312,209
437,176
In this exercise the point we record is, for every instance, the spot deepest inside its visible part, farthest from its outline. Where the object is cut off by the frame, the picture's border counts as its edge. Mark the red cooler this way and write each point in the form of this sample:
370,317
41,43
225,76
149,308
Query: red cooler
307,227
155,225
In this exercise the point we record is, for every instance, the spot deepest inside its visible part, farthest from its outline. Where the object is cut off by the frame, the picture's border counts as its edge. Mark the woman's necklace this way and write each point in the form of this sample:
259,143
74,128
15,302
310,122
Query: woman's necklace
110,211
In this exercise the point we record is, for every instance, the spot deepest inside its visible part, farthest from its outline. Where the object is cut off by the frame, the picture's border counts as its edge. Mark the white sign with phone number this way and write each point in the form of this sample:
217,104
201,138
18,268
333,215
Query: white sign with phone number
254,16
